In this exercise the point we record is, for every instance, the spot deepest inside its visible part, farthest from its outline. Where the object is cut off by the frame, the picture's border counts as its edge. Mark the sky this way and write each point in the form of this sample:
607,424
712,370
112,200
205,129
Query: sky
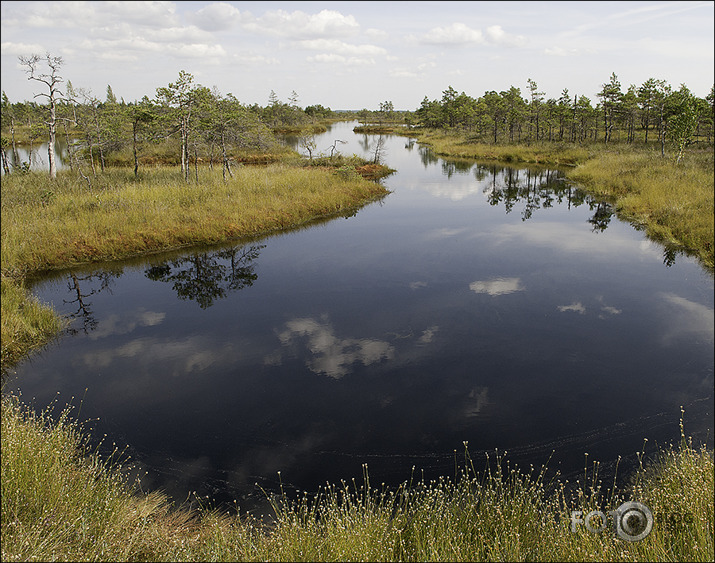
354,55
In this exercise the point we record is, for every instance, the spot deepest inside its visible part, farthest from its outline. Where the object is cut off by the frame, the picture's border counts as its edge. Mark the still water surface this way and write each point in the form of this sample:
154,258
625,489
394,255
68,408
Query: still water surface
479,304
36,158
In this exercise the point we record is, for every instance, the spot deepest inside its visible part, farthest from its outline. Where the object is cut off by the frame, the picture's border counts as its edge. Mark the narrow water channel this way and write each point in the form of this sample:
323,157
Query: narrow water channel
498,307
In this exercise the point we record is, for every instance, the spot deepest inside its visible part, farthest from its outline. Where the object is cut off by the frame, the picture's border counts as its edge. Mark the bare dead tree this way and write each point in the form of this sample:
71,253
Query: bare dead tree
308,143
334,147
379,150
52,80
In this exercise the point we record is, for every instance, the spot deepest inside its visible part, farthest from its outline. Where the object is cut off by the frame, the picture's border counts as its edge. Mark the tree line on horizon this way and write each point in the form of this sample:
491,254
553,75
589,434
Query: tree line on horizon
207,125
652,112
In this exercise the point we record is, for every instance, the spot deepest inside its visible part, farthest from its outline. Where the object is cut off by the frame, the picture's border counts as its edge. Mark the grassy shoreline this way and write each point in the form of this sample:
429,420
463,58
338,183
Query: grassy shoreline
674,204
62,502
49,225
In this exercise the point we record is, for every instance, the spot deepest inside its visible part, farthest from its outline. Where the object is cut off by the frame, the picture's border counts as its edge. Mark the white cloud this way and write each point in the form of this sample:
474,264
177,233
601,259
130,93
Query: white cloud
360,61
327,23
24,49
461,34
183,34
196,51
498,286
332,58
557,51
498,36
340,47
478,399
677,46
456,191
455,34
217,17
132,47
687,319
327,58
148,14
610,311
427,335
375,33
178,358
127,322
568,239
89,15
403,73
252,58
60,15
115,56
446,232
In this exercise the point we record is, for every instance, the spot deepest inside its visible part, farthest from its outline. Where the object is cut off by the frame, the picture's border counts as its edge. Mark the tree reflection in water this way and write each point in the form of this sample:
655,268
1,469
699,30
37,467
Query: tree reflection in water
537,189
206,277
84,306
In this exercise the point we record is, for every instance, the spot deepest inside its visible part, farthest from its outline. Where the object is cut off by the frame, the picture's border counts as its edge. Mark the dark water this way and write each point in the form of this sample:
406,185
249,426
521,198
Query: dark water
479,304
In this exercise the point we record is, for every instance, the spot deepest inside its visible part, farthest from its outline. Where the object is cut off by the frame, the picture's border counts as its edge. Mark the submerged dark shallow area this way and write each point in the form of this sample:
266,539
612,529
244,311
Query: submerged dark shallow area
495,306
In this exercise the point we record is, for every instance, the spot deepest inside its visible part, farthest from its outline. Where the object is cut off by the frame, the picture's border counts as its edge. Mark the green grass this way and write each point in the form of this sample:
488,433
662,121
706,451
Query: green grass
47,225
61,502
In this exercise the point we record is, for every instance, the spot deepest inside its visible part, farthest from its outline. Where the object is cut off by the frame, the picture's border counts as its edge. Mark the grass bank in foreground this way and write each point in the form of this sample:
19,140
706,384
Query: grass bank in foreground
56,224
673,203
62,503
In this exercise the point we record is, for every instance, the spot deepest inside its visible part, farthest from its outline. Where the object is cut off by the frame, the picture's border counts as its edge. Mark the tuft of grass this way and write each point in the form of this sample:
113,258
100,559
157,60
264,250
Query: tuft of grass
62,502
59,504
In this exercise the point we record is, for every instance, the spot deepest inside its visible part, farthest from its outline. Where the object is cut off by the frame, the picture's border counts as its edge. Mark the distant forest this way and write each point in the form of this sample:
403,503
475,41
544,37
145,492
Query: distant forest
206,125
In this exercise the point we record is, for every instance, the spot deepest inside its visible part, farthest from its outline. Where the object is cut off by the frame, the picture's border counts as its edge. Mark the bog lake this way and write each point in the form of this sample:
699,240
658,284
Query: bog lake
501,307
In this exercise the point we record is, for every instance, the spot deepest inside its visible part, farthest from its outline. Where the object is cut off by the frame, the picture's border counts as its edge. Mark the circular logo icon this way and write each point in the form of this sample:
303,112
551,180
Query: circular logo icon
634,521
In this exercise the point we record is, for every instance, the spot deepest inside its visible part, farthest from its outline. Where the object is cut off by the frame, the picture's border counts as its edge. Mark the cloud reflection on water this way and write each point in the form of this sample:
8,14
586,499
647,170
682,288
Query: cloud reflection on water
331,355
498,286
687,319
115,324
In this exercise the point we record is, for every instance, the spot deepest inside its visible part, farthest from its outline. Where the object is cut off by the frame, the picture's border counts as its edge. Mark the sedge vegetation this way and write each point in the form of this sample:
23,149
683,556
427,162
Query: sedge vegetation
62,502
